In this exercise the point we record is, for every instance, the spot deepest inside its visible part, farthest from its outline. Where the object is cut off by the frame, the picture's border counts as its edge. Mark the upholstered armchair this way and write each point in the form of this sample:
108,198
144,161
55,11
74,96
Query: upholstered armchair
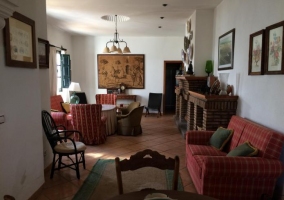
125,110
130,124
88,119
106,99
57,113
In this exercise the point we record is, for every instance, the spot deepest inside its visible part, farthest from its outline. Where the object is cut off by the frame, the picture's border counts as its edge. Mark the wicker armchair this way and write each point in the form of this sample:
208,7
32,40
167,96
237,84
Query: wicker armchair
126,110
130,124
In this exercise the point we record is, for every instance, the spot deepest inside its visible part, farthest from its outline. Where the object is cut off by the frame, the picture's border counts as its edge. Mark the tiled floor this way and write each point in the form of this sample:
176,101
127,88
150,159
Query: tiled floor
160,134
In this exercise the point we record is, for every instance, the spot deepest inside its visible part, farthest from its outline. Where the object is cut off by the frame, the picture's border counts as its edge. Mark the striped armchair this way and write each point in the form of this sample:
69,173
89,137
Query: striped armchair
57,113
87,119
106,99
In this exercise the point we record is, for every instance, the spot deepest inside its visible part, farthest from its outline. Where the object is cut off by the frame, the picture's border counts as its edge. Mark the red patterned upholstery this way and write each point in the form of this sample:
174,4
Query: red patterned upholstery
106,99
60,118
87,119
216,175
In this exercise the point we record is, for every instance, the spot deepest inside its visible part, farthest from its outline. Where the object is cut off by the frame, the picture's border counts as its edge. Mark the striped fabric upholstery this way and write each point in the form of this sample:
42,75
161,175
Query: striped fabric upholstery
237,124
268,142
198,137
55,102
106,99
216,175
60,118
87,119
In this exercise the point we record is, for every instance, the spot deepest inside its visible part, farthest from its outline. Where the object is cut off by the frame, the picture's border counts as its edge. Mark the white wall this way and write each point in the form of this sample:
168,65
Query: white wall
155,49
202,27
260,97
21,136
83,65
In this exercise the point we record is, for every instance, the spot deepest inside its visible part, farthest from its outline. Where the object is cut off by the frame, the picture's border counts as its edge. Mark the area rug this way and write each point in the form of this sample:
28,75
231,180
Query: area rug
101,184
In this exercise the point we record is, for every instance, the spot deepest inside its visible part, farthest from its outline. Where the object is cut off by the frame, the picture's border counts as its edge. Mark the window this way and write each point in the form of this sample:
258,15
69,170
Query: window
63,70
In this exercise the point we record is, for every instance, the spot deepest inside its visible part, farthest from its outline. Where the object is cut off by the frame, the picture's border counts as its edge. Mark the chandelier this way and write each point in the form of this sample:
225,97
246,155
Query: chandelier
116,40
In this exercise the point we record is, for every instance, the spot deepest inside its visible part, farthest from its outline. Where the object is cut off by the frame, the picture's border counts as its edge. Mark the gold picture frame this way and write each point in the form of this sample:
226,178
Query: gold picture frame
19,41
114,69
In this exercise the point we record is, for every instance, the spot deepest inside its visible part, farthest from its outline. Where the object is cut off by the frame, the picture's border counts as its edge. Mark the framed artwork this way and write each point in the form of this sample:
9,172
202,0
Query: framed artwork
226,50
256,53
274,49
114,69
19,41
43,53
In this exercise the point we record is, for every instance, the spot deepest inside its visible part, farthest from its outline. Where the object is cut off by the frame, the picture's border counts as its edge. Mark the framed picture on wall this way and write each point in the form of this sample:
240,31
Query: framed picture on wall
114,69
43,53
274,49
226,50
256,53
19,41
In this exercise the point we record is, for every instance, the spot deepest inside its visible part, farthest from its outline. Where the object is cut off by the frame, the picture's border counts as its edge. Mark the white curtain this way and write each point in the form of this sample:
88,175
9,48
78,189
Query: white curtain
52,71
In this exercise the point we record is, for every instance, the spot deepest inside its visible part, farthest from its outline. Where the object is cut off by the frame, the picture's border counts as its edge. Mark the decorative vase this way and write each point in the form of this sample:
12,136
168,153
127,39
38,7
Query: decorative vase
74,99
223,77
190,68
209,67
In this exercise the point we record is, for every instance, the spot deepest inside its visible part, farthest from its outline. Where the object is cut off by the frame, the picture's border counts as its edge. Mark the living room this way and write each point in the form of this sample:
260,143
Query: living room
26,90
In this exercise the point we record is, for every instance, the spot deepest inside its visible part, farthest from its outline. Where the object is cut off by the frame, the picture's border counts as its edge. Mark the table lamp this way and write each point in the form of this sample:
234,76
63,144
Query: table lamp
74,87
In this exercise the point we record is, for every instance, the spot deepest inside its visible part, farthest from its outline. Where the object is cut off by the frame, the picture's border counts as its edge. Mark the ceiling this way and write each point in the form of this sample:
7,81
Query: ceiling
84,16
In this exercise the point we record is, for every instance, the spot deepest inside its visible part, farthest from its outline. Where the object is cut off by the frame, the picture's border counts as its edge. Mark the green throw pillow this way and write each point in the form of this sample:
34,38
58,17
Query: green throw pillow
245,149
220,137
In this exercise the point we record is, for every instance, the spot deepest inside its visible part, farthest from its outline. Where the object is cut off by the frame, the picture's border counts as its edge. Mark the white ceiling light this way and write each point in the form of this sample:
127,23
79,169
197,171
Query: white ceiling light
116,40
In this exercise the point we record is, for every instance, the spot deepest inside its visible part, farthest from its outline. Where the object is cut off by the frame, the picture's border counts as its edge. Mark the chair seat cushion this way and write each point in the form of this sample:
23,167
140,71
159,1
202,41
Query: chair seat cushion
68,147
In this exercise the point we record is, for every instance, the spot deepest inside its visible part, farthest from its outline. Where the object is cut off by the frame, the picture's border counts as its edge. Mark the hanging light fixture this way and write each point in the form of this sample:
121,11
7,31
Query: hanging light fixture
116,40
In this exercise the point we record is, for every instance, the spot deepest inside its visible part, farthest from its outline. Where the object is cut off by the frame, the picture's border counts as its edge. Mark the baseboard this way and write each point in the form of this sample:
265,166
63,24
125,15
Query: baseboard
39,191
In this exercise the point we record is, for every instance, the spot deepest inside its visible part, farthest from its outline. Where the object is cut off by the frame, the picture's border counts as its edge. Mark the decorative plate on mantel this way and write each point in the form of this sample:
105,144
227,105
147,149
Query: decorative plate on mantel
186,42
188,25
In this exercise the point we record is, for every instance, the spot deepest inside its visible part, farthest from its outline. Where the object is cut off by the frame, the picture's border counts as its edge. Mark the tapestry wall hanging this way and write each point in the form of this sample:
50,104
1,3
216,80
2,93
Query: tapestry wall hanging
114,69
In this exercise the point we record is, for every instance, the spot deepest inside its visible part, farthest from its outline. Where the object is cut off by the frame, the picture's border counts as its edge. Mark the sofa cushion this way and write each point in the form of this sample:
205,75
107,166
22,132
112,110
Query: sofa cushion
237,124
220,137
65,107
245,149
205,150
55,102
268,142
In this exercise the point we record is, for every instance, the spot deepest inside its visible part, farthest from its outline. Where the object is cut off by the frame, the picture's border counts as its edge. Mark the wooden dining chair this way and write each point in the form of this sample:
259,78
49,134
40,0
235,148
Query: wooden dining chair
147,158
63,144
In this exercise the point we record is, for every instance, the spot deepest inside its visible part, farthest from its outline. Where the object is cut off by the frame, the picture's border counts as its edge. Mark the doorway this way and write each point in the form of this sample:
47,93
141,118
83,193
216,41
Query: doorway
171,68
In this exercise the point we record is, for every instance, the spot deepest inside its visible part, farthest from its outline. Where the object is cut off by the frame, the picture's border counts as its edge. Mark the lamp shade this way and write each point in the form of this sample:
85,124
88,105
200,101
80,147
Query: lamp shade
113,49
106,50
74,87
126,50
119,50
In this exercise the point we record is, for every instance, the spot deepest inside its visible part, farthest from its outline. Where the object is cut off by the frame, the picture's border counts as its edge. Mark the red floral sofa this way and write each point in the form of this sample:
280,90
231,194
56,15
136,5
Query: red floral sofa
217,175
57,113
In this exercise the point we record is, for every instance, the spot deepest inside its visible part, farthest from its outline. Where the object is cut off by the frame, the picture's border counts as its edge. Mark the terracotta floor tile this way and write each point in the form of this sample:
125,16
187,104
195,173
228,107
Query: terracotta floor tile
159,134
